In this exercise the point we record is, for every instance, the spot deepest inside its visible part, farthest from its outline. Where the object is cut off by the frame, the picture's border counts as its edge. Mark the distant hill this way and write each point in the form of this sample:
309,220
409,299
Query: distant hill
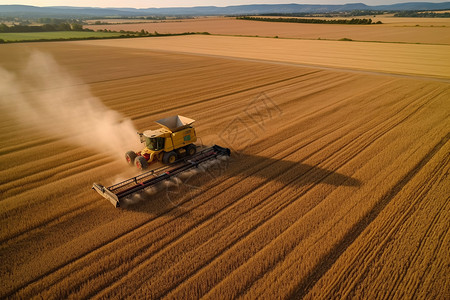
68,11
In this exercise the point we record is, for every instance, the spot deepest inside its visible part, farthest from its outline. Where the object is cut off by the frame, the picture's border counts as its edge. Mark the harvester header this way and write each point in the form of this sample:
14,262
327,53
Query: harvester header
119,192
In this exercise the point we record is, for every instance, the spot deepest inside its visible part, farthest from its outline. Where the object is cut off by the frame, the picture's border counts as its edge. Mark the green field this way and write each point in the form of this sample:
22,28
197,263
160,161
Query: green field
55,35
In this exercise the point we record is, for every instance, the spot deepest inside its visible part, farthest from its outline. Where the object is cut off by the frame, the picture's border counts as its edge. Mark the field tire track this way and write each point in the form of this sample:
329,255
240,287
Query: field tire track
141,116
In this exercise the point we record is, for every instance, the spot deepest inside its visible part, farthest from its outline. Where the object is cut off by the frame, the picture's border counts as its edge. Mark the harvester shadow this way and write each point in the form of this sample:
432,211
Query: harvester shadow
292,173
179,194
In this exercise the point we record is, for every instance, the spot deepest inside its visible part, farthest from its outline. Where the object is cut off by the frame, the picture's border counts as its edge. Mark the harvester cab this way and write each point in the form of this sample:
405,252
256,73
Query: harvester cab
174,140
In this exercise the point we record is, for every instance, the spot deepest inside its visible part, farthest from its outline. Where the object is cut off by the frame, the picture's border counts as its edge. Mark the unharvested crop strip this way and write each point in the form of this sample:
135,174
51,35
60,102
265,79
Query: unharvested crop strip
439,246
422,192
363,251
319,270
392,229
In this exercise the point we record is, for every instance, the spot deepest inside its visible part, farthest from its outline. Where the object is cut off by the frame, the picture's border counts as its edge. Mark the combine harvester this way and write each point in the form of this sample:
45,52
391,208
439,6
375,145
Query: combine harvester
173,145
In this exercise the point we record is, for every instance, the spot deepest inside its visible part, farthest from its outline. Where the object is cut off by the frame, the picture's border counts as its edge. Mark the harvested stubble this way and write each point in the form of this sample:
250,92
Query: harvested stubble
342,192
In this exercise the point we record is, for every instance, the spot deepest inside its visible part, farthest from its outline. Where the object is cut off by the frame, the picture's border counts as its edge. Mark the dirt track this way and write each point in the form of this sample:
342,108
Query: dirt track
337,186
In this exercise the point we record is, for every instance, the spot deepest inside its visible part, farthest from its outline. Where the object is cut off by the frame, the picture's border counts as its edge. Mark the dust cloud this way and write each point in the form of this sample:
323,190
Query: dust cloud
43,96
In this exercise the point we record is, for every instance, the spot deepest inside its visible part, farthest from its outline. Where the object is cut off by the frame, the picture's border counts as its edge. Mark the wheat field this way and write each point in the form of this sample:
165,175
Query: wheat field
337,186
393,30
409,59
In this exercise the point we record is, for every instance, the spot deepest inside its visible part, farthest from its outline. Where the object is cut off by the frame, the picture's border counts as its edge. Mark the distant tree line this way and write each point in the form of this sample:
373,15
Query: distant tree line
57,21
42,28
358,12
152,17
416,14
313,21
134,18
352,13
29,21
144,33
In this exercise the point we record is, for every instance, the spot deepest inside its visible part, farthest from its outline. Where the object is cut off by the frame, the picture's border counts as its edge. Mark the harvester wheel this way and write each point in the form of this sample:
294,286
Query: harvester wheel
130,156
141,163
169,157
191,149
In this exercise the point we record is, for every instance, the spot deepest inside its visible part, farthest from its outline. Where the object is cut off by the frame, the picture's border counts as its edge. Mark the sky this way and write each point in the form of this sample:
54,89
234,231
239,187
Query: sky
188,3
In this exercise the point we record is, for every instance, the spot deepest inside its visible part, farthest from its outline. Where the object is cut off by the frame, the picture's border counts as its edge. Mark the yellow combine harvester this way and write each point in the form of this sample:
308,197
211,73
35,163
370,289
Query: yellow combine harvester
173,141
173,144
